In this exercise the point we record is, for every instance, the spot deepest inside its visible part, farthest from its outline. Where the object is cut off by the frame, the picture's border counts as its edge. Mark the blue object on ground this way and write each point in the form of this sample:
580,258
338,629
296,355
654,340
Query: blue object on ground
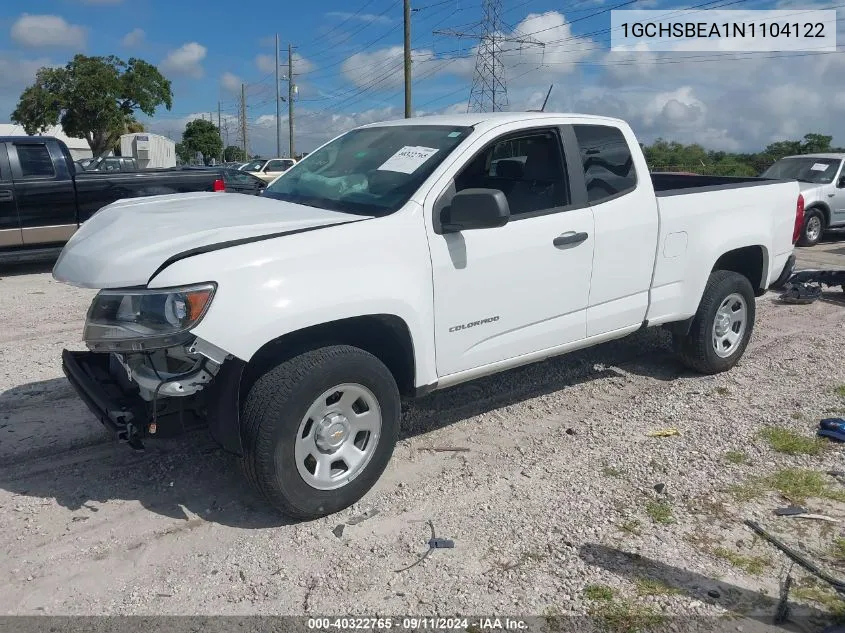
833,428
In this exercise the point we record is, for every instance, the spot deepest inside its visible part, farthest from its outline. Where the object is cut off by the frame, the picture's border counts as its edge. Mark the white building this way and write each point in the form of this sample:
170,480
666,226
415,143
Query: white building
152,151
78,146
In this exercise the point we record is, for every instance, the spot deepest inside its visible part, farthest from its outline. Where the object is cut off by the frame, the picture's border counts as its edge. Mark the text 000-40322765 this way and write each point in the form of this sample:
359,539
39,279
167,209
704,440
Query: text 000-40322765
723,31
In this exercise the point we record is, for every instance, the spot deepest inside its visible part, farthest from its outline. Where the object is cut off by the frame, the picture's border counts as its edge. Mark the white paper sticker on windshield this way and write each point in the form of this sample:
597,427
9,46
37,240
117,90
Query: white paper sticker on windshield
408,159
819,167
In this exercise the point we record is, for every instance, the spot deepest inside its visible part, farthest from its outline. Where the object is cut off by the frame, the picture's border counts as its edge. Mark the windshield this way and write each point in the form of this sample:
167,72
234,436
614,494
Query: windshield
368,171
255,165
806,169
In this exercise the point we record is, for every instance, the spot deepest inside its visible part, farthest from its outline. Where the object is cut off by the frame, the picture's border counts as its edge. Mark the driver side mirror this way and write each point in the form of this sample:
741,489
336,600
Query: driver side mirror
477,209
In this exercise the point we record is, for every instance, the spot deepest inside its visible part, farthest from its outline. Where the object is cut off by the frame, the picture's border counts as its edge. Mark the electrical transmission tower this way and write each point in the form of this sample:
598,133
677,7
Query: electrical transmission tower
489,90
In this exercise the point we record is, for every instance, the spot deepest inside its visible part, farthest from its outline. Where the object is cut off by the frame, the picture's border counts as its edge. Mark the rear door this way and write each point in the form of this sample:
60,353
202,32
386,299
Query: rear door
505,292
46,197
10,225
626,227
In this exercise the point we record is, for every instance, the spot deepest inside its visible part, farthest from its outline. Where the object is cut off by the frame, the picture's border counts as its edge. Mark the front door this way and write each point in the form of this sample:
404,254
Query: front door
46,197
836,197
10,225
505,292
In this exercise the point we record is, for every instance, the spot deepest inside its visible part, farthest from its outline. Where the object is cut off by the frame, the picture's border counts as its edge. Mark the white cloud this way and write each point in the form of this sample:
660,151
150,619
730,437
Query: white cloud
43,31
133,38
370,18
186,60
382,68
230,82
17,73
267,64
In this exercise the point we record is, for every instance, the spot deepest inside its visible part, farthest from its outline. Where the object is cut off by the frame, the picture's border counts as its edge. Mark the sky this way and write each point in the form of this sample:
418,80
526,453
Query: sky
347,65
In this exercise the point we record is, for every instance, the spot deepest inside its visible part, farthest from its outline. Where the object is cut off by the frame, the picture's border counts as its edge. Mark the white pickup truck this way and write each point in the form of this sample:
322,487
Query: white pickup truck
400,258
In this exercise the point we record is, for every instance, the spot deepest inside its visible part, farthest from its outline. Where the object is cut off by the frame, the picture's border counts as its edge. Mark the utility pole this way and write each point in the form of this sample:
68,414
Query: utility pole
291,90
278,104
243,120
407,59
220,133
489,92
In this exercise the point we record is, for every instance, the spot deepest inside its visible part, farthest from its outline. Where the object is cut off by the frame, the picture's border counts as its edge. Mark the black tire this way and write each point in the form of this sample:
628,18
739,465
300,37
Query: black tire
696,348
276,405
813,237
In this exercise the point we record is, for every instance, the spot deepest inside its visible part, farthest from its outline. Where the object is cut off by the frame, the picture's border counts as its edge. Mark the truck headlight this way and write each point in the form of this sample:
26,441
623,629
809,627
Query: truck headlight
146,319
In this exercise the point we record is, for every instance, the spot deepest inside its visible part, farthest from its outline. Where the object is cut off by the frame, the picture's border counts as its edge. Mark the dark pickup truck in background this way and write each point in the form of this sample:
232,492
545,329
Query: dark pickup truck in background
44,197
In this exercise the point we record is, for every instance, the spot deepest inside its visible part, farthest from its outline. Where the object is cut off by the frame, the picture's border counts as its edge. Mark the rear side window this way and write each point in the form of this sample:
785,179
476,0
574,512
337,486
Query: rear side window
35,161
608,164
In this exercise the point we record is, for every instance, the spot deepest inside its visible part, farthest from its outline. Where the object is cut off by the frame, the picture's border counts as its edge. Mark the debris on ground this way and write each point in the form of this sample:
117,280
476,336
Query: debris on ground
663,433
362,517
433,543
790,511
445,449
832,428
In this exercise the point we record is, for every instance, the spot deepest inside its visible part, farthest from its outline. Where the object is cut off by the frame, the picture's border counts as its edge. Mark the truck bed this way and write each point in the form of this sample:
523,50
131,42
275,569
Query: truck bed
677,184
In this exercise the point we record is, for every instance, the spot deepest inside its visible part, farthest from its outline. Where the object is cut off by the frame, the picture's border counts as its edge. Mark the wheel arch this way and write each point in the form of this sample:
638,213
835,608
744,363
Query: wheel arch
823,208
385,336
752,262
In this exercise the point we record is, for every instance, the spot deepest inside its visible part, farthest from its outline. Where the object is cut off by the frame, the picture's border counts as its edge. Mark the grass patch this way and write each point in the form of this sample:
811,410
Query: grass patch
632,527
610,471
840,391
626,617
796,415
797,485
660,512
791,443
825,597
600,593
736,457
654,587
837,550
722,391
754,565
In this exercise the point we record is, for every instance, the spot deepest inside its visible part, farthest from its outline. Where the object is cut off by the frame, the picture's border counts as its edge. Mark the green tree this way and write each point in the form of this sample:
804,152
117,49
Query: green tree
204,137
94,98
815,143
184,154
233,153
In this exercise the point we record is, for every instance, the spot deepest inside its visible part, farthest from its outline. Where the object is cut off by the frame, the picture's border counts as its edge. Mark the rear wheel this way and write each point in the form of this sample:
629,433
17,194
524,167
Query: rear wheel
813,227
319,430
722,326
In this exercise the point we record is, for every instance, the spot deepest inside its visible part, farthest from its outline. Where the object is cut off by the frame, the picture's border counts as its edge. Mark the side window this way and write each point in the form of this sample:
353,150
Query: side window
35,161
608,164
275,165
528,169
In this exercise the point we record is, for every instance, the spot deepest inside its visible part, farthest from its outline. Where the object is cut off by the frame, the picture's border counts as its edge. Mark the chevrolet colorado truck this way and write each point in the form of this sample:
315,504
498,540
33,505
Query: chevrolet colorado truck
45,196
821,178
398,259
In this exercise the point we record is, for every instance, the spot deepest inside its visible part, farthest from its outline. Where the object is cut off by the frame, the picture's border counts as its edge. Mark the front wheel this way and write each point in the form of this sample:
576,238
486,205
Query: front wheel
722,326
813,227
319,430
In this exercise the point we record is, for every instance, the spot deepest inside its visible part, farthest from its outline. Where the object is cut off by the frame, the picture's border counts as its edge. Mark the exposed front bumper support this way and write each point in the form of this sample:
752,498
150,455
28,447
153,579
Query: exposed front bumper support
101,382
89,374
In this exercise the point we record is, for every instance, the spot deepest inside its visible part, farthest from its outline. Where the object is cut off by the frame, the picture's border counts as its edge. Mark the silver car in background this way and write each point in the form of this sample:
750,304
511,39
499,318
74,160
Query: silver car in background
822,183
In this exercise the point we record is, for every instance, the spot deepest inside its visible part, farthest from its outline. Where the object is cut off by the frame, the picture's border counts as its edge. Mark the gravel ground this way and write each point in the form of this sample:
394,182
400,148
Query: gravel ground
562,503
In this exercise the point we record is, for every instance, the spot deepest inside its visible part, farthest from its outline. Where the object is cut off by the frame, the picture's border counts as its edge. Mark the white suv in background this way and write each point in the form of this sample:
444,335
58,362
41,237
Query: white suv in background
822,183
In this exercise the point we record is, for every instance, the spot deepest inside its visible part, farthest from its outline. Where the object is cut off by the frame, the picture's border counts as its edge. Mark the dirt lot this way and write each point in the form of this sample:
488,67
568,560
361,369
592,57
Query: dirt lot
554,508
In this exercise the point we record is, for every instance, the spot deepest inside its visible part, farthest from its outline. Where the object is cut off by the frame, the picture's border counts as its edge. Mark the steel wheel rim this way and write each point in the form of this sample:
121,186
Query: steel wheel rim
814,228
338,436
729,325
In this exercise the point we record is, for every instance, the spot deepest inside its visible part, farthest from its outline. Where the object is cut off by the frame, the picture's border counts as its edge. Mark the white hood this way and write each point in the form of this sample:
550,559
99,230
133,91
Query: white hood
125,242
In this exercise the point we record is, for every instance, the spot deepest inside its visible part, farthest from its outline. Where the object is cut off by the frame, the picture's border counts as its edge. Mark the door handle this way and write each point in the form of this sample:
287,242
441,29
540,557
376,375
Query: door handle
6,195
830,195
571,237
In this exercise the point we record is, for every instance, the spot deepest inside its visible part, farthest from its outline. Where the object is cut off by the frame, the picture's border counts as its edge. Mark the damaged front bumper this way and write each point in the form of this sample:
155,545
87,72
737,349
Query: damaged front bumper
119,396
